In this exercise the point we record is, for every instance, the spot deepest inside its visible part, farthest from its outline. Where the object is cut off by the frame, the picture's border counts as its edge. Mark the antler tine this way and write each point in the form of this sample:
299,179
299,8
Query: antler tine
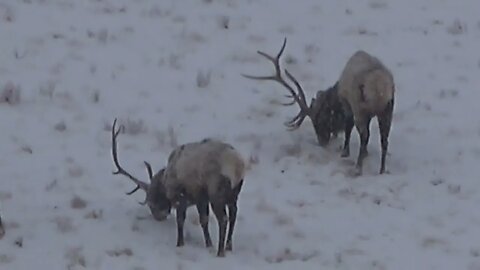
133,191
299,87
149,170
298,98
276,63
140,184
295,122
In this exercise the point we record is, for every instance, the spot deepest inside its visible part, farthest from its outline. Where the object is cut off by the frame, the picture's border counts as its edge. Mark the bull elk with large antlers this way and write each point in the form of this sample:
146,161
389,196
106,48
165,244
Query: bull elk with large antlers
197,173
364,90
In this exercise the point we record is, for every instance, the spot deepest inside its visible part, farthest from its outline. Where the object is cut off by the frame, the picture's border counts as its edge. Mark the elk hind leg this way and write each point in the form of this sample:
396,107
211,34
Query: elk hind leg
218,201
203,212
232,214
384,123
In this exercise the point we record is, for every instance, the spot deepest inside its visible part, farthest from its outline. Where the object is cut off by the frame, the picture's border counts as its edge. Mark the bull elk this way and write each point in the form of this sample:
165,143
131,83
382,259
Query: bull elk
364,90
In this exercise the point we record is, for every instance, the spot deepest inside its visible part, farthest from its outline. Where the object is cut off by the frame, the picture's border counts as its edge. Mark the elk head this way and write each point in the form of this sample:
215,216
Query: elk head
324,110
156,198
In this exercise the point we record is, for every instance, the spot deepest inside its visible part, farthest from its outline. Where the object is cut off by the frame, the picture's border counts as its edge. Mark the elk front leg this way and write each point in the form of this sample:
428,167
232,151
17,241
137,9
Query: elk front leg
348,132
349,123
203,212
181,213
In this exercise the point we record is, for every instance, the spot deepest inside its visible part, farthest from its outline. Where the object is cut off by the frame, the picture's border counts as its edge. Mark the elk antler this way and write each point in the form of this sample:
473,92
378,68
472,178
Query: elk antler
140,184
298,98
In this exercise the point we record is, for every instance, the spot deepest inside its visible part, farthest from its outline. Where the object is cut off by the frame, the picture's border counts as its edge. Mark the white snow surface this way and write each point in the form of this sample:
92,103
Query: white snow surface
170,71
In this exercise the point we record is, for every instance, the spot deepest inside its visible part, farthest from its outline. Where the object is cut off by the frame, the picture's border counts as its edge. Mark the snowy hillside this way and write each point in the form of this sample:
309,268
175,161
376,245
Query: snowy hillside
170,71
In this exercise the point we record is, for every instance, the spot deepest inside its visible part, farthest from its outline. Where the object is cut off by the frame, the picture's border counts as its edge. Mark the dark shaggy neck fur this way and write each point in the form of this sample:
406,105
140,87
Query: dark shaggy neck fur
336,111
329,118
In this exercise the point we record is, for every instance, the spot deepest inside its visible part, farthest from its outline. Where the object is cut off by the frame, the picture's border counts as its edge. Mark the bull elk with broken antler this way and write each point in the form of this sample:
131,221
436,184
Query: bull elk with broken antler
364,90
197,173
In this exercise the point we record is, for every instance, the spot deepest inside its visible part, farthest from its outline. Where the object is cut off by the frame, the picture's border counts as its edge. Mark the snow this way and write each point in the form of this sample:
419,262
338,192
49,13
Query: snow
170,71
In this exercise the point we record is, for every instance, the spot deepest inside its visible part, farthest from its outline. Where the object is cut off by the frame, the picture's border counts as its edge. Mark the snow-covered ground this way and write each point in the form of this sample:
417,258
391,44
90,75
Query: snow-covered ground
170,71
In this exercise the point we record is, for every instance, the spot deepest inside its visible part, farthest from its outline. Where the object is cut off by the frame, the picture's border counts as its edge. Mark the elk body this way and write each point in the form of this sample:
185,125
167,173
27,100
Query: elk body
197,173
364,90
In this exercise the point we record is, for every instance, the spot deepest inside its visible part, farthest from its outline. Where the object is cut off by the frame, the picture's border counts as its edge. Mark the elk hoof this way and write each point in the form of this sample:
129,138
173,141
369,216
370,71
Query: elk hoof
383,171
221,254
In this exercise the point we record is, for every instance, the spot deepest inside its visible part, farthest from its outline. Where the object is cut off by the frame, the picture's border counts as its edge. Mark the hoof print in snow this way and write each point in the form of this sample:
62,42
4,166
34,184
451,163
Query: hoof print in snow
5,259
475,252
454,189
95,96
378,4
284,255
78,203
120,252
75,171
60,126
224,22
457,28
64,224
94,214
47,89
10,94
50,186
437,181
26,149
19,242
75,257
203,78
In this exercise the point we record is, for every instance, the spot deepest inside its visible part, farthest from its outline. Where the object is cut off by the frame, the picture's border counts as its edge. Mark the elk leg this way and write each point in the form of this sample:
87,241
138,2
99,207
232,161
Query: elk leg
203,212
232,214
220,213
181,213
349,123
218,202
348,131
2,230
384,123
363,128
